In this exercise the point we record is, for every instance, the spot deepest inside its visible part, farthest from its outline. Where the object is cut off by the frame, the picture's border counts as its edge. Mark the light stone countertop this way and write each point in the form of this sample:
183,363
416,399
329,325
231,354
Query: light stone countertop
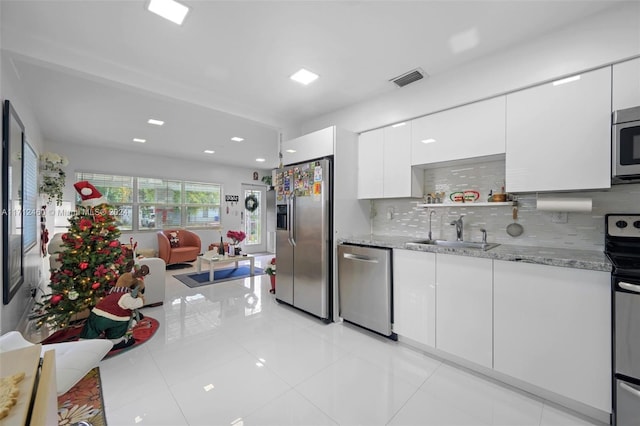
567,258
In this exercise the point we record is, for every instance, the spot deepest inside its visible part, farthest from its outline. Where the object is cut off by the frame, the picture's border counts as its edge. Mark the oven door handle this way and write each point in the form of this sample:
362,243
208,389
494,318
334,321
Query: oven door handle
629,389
631,287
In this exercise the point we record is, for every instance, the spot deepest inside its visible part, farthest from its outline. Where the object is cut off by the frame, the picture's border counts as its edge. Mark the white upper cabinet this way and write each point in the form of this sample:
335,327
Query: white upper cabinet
626,84
559,136
314,145
473,130
384,164
370,164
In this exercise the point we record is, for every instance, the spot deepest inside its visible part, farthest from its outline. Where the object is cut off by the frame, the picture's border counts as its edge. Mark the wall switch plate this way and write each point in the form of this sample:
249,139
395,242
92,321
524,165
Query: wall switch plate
559,217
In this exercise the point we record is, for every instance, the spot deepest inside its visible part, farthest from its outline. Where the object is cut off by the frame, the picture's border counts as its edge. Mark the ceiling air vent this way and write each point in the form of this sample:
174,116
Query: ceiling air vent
408,77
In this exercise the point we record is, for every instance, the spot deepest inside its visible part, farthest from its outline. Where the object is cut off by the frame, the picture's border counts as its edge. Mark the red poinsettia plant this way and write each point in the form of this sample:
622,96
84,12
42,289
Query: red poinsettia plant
236,236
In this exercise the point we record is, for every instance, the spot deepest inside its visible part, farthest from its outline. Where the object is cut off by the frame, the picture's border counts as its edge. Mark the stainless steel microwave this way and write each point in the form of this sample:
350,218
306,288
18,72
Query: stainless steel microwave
625,146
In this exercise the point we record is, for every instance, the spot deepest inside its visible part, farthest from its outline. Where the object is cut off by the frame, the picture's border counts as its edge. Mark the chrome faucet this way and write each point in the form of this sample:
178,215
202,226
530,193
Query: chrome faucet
459,227
484,235
431,213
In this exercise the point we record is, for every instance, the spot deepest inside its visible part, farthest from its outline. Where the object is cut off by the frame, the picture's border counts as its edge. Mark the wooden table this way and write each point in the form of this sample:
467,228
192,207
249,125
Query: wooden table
41,409
213,258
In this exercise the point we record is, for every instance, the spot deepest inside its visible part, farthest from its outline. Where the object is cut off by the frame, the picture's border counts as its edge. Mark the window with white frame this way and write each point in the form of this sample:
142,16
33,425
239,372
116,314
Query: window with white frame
143,203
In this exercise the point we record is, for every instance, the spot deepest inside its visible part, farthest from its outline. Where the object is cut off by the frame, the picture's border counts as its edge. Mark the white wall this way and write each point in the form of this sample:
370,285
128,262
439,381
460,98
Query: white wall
110,161
10,89
609,37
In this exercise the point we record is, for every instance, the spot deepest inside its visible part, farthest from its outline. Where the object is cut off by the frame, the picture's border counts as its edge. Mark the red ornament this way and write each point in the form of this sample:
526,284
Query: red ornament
114,243
85,224
83,265
56,299
95,285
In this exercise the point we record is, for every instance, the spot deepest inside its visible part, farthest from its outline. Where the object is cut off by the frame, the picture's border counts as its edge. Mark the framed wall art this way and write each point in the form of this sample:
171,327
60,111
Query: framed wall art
12,209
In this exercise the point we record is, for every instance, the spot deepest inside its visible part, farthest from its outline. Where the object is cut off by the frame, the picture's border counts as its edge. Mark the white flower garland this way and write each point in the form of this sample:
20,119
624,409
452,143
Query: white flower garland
52,176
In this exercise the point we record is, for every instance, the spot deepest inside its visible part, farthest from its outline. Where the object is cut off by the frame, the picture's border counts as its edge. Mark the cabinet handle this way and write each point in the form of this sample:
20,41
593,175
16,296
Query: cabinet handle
629,389
360,258
631,287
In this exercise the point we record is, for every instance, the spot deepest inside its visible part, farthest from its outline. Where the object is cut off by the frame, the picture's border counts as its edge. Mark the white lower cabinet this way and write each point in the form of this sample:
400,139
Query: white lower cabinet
553,329
464,303
414,295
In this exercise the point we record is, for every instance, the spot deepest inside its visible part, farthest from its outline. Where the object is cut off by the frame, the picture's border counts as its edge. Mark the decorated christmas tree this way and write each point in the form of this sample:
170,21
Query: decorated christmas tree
91,260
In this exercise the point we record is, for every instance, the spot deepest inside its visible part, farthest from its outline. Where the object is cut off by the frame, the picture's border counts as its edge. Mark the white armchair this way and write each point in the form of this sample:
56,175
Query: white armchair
73,359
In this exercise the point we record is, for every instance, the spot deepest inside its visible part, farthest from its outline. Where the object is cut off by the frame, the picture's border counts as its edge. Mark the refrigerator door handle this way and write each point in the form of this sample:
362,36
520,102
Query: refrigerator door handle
360,258
292,228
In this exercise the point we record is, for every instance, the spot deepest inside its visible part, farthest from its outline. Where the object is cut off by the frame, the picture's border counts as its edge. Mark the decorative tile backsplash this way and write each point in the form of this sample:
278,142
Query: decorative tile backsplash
584,231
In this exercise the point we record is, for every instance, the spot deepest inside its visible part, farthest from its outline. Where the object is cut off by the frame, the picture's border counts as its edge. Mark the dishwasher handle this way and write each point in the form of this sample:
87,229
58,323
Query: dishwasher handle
631,287
629,389
359,258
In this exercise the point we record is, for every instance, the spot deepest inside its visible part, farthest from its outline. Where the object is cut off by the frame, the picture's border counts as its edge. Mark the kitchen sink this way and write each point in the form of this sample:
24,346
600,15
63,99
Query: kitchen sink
456,244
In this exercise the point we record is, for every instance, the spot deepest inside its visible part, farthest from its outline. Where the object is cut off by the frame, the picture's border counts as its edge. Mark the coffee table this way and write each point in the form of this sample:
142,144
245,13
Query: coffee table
213,258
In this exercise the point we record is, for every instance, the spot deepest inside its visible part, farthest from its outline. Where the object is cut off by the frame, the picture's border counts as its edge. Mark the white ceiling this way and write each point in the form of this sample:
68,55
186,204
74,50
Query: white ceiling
95,71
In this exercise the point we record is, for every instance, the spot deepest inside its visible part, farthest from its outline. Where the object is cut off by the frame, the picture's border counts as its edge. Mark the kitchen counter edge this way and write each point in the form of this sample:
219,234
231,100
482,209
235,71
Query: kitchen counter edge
565,258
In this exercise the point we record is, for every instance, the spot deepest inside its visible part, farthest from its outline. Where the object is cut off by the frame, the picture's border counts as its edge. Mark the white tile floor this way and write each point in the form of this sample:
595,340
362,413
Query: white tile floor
229,354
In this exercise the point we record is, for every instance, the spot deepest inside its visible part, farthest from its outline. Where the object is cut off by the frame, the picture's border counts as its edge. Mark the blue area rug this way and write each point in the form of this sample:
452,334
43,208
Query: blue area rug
219,275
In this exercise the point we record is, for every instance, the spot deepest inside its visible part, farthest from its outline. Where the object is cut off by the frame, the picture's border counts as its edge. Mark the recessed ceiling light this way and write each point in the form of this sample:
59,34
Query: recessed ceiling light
430,140
237,139
260,160
139,140
291,150
399,124
208,151
156,122
303,76
169,9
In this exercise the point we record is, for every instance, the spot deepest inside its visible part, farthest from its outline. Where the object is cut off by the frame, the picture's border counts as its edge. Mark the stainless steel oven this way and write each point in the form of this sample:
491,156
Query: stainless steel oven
625,146
622,246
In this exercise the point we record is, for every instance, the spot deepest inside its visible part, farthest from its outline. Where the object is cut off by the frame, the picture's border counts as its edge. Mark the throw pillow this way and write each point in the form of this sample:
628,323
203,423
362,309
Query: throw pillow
174,240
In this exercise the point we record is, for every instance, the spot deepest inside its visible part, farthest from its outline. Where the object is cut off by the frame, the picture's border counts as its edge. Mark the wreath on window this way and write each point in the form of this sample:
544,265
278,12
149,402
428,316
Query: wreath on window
251,203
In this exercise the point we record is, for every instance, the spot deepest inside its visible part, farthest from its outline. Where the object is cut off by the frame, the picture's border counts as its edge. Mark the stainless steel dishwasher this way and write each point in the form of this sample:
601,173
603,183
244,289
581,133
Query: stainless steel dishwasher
365,287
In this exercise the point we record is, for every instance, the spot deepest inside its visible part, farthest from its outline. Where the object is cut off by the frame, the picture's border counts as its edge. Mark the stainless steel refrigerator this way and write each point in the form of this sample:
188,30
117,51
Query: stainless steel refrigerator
304,236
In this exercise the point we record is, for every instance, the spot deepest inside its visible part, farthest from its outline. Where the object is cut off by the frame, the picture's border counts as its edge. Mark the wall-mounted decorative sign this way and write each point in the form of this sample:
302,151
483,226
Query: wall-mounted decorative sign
232,198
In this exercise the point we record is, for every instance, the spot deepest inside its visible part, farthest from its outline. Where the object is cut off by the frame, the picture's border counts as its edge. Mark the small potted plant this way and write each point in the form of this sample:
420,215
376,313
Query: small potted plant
271,270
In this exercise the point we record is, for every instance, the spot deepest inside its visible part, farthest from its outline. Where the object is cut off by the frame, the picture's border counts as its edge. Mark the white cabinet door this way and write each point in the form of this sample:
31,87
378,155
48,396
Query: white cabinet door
626,84
559,137
414,295
553,329
370,164
314,145
384,164
473,130
464,297
400,180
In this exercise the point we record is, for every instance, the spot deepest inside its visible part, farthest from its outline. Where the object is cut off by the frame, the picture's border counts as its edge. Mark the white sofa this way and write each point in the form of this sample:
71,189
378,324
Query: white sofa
73,359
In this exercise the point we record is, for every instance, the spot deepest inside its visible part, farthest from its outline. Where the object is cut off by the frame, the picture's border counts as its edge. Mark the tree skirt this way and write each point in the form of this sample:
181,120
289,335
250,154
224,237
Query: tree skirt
142,332
83,402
